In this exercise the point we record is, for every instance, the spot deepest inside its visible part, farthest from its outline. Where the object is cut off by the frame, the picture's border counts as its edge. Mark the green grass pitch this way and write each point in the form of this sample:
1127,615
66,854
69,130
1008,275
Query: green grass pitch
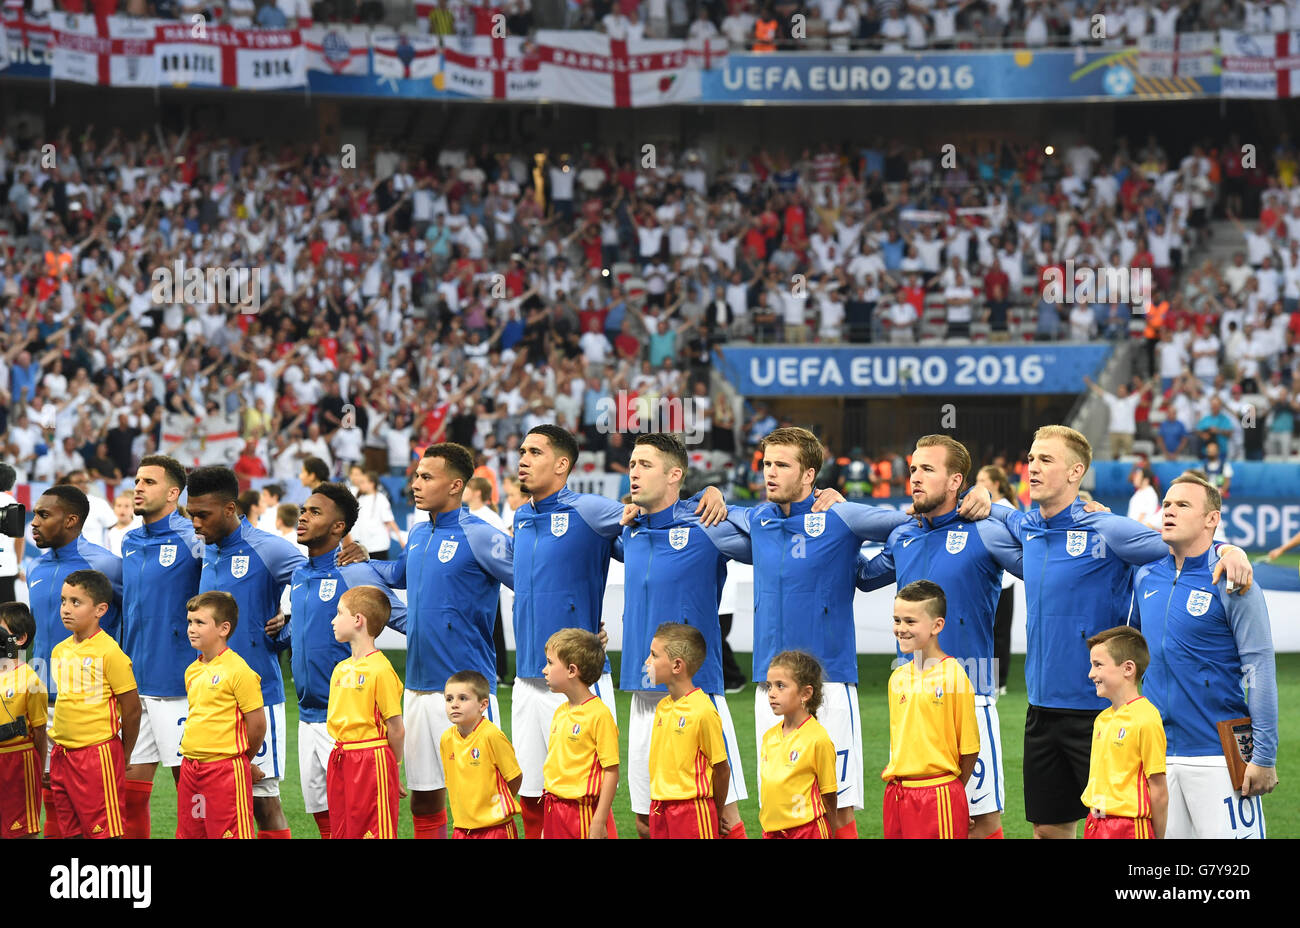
1282,807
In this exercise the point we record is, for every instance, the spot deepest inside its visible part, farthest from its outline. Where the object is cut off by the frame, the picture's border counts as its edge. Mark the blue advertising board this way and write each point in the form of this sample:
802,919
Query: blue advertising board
990,77
854,370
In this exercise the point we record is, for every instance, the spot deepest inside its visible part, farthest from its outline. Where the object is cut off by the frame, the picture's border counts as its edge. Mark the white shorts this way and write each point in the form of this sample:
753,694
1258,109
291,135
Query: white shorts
1203,804
314,748
842,719
986,790
532,706
270,757
161,723
424,714
639,729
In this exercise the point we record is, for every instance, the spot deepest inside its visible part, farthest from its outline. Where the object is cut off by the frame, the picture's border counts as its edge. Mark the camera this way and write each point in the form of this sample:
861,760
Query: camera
9,649
13,520
15,729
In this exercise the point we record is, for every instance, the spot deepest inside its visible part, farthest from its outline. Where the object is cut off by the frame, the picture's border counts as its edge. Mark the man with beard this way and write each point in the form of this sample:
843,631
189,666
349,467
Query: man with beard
966,559
805,564
161,563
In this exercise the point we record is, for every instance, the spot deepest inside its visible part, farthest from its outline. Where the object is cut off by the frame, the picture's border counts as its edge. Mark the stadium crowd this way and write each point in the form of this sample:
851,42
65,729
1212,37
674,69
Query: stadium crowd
471,295
888,25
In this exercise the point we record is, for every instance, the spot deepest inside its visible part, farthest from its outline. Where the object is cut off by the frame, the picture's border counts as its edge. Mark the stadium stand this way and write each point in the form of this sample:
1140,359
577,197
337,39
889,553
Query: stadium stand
461,295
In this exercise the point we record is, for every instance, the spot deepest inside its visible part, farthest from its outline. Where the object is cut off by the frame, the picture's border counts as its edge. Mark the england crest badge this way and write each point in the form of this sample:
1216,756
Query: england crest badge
677,537
814,523
327,590
167,555
1076,543
447,550
239,566
559,523
956,542
1198,602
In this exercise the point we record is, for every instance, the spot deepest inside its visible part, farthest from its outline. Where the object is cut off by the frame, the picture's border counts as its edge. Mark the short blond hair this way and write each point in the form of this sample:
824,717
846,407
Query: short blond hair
370,602
1213,498
1075,442
957,459
580,648
808,448
684,641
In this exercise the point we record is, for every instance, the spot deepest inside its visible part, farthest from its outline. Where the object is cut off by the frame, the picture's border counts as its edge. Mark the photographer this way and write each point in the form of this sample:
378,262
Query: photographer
11,549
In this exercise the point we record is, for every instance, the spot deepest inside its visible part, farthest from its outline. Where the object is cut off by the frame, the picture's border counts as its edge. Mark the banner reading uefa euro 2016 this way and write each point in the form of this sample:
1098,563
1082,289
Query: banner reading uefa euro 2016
852,370
1011,75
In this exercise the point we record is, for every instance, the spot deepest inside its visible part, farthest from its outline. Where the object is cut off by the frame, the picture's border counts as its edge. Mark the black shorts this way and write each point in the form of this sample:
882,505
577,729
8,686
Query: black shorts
1058,745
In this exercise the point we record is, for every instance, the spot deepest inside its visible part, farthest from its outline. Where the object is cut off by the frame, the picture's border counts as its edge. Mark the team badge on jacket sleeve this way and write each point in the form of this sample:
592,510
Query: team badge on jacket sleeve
239,565
447,550
1198,602
167,555
814,523
677,537
559,523
327,588
957,542
1076,543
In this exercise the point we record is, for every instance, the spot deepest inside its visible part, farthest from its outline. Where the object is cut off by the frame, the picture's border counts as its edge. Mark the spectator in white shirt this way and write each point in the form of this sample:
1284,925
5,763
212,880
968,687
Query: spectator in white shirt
1164,18
1123,416
1144,505
297,13
478,497
101,517
124,510
1082,321
1205,356
375,525
270,497
902,320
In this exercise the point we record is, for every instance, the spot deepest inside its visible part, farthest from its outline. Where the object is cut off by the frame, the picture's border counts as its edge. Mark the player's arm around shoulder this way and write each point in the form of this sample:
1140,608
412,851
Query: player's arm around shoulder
1130,540
1002,545
493,549
868,522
